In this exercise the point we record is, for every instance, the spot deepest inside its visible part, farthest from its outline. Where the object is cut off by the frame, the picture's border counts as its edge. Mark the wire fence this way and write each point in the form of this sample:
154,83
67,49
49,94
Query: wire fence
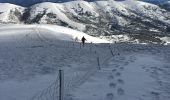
52,91
49,93
76,78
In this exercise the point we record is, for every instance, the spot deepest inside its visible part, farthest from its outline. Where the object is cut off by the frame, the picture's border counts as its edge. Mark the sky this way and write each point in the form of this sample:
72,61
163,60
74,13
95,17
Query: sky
31,2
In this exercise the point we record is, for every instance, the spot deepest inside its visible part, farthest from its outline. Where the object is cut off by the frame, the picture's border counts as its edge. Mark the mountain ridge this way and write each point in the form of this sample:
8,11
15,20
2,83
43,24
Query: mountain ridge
99,18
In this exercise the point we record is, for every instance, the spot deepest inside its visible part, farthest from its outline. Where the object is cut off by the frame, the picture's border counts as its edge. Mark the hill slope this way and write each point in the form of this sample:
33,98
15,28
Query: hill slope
43,33
31,55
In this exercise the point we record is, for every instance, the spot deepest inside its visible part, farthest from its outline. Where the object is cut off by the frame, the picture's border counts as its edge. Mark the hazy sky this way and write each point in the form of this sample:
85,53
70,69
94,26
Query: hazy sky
30,2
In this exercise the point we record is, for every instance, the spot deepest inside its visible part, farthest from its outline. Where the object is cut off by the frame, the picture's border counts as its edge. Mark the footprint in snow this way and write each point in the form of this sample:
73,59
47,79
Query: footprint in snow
122,58
126,63
69,97
118,74
112,85
120,91
109,96
111,77
114,70
143,67
116,66
121,68
120,81
155,95
132,59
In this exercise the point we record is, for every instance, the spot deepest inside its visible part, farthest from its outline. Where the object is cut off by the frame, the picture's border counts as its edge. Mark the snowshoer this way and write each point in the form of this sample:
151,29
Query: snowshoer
76,39
83,40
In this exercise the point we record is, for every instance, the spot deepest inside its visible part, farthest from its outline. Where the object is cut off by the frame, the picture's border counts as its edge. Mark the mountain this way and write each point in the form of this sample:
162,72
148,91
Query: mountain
136,18
10,13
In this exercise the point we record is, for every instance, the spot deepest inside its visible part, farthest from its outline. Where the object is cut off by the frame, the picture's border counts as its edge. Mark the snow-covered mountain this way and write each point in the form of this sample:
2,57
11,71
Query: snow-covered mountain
10,13
97,17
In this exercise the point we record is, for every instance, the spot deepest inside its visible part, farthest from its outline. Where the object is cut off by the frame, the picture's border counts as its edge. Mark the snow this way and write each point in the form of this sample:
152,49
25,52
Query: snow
50,31
57,9
31,55
110,6
166,39
5,9
118,38
127,81
147,9
70,13
80,6
8,88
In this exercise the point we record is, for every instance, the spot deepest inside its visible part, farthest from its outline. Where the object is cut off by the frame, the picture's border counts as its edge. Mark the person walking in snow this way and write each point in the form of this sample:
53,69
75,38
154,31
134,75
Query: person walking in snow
76,39
83,40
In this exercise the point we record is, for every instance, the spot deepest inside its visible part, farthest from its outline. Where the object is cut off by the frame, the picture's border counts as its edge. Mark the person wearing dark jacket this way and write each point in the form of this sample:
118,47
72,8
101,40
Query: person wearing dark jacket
83,40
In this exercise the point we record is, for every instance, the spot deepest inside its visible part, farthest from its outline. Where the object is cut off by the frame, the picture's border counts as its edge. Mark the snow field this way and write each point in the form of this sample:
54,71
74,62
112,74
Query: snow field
30,57
134,73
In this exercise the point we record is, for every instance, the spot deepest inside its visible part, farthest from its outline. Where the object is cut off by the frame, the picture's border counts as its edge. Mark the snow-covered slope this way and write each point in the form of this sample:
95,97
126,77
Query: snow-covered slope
31,55
10,13
44,33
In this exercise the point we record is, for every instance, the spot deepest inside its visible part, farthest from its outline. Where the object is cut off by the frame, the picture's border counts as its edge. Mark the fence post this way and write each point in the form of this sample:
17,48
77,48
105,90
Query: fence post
61,89
80,45
73,44
91,46
111,50
98,62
